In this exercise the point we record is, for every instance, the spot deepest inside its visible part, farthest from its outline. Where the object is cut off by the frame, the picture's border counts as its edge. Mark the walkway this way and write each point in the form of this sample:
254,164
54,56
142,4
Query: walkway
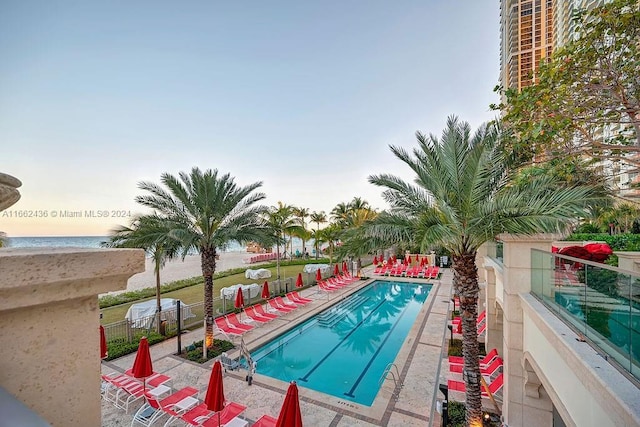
418,361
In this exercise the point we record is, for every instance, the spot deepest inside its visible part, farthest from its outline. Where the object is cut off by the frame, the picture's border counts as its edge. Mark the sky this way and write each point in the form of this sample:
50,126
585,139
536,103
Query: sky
305,97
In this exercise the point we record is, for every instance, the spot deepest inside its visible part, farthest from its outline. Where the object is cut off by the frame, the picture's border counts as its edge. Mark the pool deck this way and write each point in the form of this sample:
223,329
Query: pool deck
409,402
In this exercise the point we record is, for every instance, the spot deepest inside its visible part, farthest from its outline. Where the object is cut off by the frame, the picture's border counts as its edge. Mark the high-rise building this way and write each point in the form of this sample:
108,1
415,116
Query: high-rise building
527,36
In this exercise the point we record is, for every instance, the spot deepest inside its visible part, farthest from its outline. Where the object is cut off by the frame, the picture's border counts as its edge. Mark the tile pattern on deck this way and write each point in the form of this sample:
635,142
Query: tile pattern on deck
418,362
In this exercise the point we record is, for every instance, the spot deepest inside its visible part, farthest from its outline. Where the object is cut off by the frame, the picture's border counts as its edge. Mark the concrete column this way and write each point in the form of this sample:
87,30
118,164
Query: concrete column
49,322
517,280
629,261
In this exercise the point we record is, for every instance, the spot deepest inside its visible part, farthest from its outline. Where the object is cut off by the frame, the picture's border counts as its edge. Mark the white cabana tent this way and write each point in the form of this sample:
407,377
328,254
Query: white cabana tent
248,291
312,268
260,273
141,315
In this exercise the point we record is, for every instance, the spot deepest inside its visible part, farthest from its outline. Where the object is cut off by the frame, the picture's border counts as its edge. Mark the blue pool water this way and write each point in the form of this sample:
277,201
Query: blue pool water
344,350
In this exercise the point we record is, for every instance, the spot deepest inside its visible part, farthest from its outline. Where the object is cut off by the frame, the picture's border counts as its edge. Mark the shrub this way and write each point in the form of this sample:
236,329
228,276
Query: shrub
121,347
193,351
455,347
457,412
618,242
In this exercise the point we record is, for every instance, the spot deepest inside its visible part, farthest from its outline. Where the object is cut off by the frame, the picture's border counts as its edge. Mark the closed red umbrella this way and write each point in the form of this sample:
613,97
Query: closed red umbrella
239,298
336,270
375,260
103,344
318,275
290,415
344,267
265,290
142,366
214,399
299,282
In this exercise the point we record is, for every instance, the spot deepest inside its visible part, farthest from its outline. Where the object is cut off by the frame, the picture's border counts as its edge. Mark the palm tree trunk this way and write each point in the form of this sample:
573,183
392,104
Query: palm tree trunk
208,263
465,280
158,302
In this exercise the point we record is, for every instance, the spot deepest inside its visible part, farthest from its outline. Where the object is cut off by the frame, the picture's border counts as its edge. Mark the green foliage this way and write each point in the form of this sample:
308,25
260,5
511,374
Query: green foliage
455,347
193,351
618,242
120,347
457,412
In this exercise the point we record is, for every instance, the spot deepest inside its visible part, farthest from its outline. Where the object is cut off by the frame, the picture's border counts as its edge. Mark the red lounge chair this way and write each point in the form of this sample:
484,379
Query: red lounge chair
293,299
484,362
231,410
253,315
488,370
224,327
457,322
274,305
155,408
299,297
233,320
266,421
282,303
494,387
324,286
260,310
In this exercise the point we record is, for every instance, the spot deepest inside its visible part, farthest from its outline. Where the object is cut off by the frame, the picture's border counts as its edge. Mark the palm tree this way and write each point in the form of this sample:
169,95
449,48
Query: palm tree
461,199
205,211
153,234
281,221
302,214
340,213
358,203
318,218
331,235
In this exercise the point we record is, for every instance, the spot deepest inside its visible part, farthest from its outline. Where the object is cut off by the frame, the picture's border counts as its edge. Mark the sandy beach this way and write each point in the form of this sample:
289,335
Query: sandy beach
178,269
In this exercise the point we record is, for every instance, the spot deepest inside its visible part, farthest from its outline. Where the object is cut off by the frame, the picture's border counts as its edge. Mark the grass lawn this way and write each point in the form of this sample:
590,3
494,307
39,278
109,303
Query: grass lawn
195,293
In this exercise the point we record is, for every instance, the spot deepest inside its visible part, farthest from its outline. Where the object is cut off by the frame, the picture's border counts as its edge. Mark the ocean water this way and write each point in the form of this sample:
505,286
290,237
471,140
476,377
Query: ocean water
95,242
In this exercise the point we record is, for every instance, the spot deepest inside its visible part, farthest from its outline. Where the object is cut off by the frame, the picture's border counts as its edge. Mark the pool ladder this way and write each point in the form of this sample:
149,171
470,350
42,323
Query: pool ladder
395,375
251,364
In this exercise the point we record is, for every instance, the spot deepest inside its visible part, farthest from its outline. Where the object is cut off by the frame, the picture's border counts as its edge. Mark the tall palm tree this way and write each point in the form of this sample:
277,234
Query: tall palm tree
331,235
154,235
302,214
205,211
340,213
460,199
358,203
281,221
318,218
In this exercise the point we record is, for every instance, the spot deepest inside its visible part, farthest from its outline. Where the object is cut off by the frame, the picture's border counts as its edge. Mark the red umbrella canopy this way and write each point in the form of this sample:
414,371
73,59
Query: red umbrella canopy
239,298
290,415
299,282
142,366
215,392
265,290
336,270
576,252
344,267
599,251
318,275
375,260
103,344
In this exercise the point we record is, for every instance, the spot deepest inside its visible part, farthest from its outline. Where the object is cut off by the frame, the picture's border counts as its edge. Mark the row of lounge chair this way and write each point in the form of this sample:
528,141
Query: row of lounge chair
481,323
230,325
491,367
178,406
401,270
336,283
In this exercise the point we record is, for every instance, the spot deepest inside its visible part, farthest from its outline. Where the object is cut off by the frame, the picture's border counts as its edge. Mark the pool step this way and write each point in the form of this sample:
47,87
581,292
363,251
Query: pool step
335,314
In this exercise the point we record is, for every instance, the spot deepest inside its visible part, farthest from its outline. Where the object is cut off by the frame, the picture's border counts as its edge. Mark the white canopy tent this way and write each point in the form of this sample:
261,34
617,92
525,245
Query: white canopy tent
141,315
260,273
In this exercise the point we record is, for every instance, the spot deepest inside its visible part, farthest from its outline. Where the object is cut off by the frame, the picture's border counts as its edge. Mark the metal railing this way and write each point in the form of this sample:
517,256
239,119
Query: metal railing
599,301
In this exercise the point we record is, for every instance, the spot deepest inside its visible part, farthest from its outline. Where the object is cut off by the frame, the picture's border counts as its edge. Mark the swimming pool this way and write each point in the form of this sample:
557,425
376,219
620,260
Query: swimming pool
344,350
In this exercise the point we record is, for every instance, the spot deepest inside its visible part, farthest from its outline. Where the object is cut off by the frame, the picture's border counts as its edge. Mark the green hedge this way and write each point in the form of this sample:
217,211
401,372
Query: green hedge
121,347
618,242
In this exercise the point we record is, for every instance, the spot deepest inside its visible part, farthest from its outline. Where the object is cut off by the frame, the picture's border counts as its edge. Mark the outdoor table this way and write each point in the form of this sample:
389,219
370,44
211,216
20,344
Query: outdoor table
186,403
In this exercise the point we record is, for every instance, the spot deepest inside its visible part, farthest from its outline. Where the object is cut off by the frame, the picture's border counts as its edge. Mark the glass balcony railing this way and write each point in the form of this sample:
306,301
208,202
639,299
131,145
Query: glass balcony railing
601,302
